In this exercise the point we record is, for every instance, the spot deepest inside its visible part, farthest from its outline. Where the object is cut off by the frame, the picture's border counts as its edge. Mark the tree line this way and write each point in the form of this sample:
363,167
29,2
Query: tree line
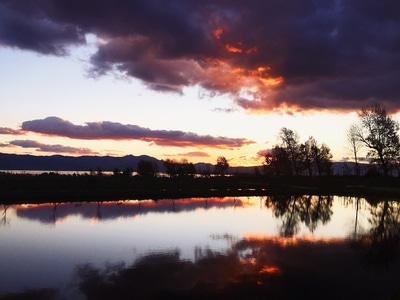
379,134
375,131
182,168
291,157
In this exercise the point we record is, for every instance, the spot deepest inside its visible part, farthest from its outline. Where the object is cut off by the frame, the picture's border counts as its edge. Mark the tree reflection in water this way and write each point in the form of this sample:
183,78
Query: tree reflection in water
4,221
269,268
253,268
381,244
295,209
272,267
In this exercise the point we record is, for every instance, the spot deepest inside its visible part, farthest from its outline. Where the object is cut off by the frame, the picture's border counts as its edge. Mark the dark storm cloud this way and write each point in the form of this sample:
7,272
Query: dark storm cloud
268,55
54,126
51,148
29,28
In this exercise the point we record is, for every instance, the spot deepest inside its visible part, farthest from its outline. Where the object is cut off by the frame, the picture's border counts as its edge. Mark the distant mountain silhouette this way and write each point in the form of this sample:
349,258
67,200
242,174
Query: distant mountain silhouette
57,163
70,163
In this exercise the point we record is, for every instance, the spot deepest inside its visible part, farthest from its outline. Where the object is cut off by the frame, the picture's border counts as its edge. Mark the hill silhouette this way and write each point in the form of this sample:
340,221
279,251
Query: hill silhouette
56,163
70,163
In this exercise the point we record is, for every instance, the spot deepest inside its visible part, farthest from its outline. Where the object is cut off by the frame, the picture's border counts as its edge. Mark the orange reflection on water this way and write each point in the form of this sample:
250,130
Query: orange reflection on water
25,206
51,208
291,241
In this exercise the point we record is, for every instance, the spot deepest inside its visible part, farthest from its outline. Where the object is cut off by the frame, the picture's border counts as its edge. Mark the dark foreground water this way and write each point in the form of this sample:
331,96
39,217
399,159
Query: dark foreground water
308,247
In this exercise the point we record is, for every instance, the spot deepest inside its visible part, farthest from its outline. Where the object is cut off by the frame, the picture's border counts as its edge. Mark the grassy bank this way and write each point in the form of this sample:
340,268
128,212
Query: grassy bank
25,188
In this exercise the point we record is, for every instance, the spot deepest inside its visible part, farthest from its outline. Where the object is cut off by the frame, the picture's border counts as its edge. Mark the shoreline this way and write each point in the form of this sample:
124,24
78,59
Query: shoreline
32,189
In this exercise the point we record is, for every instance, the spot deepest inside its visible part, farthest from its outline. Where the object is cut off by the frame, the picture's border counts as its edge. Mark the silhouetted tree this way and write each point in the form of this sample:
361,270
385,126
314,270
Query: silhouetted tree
145,168
277,162
116,172
182,169
322,157
379,133
307,155
170,167
315,157
185,168
354,144
292,158
221,166
128,171
290,141
99,172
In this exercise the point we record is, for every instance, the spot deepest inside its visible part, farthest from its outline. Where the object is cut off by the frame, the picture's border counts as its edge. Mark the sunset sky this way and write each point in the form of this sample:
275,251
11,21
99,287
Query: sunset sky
191,79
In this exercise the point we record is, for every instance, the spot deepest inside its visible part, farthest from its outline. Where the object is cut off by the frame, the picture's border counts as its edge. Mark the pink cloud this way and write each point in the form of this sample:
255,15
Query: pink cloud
195,154
54,126
51,148
10,131
262,153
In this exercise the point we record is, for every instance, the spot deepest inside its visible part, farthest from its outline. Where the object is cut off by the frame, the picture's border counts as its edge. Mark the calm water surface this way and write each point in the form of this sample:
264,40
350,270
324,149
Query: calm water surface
309,247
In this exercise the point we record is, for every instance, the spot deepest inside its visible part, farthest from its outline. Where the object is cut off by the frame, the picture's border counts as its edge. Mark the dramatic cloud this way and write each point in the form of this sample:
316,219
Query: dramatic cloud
29,28
268,55
10,131
51,148
54,126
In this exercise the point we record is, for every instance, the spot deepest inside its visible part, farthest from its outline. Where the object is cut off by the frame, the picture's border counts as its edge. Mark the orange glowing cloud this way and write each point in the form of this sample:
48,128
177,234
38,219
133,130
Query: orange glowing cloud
274,270
302,45
222,74
252,87
217,33
233,49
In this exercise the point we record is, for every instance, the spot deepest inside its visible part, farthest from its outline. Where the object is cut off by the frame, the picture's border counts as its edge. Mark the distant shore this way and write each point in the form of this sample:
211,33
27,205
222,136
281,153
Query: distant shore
52,187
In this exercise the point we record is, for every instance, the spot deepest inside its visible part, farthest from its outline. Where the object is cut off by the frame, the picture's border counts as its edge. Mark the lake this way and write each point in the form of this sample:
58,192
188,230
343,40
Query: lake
308,247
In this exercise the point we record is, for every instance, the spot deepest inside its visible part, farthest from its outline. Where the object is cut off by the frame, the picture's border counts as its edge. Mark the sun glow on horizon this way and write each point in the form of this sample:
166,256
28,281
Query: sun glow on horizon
240,109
